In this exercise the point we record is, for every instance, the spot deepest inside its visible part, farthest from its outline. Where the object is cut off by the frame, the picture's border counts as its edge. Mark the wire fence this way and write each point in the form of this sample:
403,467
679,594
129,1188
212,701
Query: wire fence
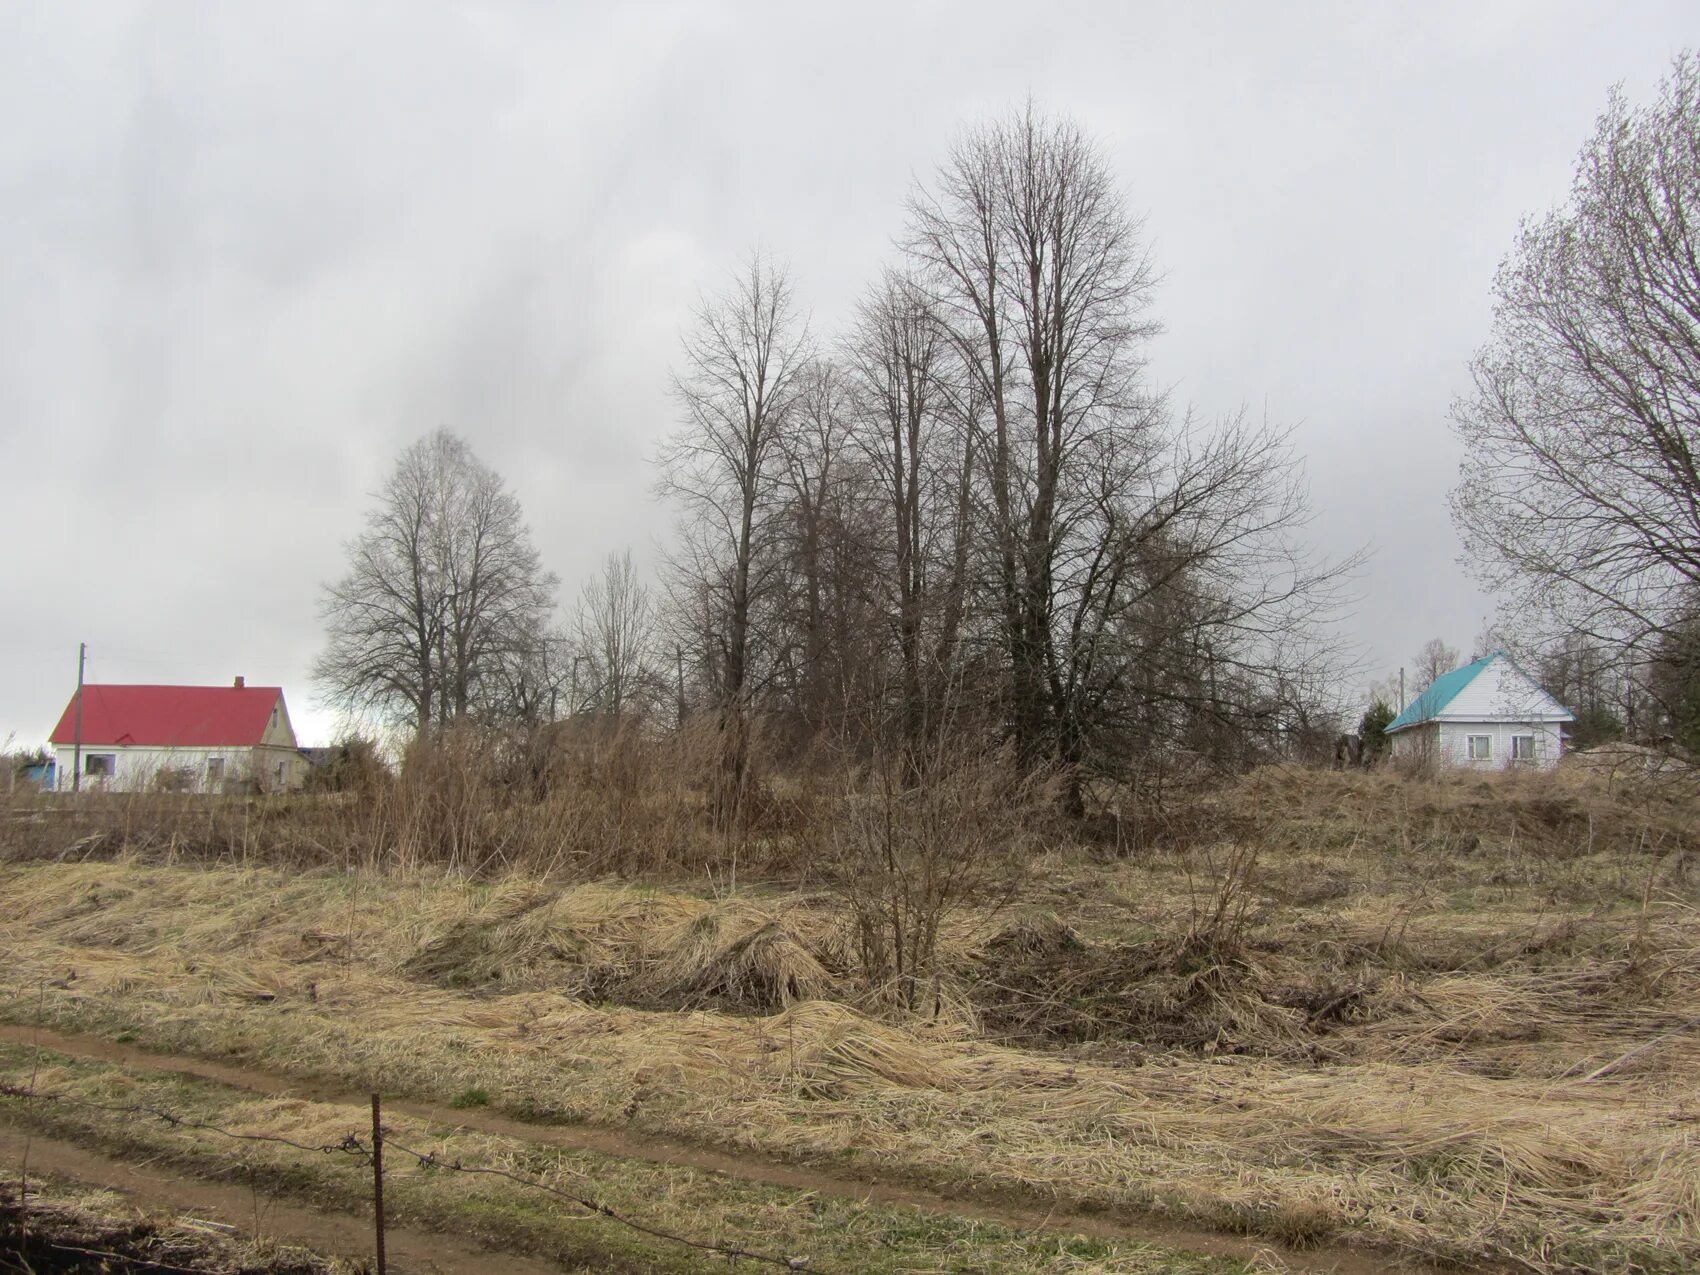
369,1152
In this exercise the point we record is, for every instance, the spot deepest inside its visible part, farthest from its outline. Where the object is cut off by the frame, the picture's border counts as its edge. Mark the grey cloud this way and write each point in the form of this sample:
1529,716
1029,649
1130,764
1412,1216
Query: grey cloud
249,252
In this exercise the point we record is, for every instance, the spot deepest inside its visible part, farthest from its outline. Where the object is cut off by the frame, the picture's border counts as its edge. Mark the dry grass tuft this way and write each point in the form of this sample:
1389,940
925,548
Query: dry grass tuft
733,954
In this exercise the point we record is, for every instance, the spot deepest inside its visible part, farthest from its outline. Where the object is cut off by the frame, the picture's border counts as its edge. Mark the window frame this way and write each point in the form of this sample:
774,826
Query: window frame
108,765
1470,752
1525,739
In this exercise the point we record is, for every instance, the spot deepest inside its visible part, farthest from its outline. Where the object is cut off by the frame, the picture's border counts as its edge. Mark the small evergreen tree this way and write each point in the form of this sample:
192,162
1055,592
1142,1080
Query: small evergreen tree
1372,727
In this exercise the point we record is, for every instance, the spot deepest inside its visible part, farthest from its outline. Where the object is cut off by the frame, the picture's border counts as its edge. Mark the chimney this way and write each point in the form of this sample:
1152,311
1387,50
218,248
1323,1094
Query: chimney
240,683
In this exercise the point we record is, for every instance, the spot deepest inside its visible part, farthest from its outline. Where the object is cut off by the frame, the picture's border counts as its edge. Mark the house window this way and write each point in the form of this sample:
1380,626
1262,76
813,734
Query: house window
1480,747
100,765
1522,748
215,769
280,774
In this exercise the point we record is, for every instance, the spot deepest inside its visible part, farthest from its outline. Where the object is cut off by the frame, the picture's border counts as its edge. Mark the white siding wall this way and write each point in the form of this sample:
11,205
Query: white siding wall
279,733
1455,743
137,769
1449,742
1415,742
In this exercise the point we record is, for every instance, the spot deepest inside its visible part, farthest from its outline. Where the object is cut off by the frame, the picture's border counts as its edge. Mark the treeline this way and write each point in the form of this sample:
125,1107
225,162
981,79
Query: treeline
969,513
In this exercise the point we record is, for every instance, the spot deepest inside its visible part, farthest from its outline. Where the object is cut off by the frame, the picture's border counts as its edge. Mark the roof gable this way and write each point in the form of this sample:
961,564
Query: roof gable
1437,695
171,716
1489,689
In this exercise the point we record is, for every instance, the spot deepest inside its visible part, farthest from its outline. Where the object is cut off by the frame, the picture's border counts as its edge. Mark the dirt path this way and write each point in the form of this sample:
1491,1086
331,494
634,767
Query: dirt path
1331,1259
153,1188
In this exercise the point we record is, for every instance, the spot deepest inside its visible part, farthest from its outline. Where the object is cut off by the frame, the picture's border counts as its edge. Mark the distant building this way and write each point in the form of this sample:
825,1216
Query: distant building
1485,716
233,738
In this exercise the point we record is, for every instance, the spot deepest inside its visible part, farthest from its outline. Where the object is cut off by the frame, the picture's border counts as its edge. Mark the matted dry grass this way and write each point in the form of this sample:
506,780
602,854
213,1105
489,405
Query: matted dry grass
1533,1099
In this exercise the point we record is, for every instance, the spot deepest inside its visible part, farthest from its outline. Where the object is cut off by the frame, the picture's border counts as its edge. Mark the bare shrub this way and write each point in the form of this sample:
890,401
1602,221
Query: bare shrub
1220,880
905,857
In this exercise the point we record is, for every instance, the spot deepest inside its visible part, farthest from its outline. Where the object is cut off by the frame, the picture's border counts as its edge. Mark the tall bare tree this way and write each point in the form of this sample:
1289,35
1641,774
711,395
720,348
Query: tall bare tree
1028,248
919,450
613,635
1145,574
830,624
444,591
1581,491
737,387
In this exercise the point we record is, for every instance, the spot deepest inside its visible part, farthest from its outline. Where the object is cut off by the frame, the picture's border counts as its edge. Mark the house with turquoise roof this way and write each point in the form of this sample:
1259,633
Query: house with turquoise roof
1485,716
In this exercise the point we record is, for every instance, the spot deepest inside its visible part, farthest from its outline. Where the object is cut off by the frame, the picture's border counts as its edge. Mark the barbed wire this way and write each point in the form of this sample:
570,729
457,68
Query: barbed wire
351,1145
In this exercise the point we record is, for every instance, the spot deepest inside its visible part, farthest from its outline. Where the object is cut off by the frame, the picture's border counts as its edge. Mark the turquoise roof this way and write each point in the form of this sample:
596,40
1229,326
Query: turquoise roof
1432,702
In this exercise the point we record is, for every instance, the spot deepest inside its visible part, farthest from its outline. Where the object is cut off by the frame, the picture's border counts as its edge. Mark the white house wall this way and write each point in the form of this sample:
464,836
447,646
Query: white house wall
279,733
1455,745
280,769
137,769
1415,743
1449,742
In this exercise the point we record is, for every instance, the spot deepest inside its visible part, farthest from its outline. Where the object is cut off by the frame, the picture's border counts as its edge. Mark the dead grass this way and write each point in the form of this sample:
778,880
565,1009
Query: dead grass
835,1233
1454,1116
1460,1018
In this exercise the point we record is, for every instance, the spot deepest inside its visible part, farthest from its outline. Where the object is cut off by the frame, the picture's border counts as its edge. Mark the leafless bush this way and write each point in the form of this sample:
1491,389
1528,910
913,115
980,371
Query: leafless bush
1221,880
905,857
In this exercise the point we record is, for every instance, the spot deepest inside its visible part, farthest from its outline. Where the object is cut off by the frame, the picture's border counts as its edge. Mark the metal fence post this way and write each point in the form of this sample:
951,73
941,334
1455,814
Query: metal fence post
378,1178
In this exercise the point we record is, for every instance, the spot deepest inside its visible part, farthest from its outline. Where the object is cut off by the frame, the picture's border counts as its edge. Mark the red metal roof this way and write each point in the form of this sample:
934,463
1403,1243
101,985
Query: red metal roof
183,716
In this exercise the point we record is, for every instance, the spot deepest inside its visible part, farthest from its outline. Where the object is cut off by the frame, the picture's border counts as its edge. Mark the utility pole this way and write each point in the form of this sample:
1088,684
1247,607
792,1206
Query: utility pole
1401,688
679,656
77,747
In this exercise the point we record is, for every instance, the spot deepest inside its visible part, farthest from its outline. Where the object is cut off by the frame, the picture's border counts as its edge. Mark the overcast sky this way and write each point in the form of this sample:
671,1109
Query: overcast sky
250,251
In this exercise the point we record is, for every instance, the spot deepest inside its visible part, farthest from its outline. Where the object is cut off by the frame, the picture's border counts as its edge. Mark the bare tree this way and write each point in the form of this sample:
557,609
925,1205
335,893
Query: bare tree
444,590
1581,492
612,636
830,620
1145,574
1040,273
919,450
1432,659
1196,616
742,362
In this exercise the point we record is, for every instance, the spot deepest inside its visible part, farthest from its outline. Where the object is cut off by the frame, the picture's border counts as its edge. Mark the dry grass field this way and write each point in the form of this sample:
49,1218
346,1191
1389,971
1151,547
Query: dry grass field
1438,1021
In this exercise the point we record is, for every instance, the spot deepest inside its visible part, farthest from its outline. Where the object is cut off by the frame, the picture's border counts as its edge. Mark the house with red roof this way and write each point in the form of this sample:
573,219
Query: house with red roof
234,738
